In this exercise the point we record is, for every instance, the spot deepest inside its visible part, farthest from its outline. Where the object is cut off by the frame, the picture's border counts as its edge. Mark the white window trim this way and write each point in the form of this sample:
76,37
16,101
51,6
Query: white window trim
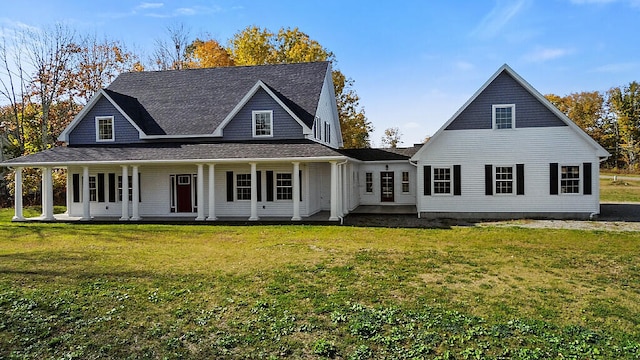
235,186
253,122
433,181
580,179
365,183
513,115
408,182
113,128
276,187
513,180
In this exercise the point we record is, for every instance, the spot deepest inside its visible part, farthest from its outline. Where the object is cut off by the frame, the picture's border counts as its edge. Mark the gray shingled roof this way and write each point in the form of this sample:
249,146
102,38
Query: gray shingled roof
176,152
196,101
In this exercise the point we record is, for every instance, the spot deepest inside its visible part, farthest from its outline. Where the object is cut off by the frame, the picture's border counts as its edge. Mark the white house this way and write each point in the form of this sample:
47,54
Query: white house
264,141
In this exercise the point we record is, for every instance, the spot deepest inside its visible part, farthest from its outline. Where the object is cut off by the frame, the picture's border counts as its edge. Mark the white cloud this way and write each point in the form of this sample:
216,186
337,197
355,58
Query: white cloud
617,67
146,5
546,54
501,14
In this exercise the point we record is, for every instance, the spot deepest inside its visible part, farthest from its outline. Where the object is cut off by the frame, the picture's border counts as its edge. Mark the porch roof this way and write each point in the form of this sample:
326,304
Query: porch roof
179,153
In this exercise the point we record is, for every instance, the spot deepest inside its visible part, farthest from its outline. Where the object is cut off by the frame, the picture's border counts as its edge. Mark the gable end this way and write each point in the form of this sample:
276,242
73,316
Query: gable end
504,89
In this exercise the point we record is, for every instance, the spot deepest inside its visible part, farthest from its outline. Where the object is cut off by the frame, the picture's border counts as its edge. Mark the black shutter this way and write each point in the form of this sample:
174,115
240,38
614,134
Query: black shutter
519,179
100,187
427,179
76,187
229,185
112,187
269,185
300,183
488,179
457,187
586,189
259,184
139,187
553,178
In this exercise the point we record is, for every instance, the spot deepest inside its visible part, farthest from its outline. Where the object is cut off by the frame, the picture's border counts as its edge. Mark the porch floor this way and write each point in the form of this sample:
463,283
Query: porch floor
321,217
386,209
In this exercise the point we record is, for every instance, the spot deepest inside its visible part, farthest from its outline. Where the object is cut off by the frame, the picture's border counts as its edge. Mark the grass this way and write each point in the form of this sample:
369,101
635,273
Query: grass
156,291
626,190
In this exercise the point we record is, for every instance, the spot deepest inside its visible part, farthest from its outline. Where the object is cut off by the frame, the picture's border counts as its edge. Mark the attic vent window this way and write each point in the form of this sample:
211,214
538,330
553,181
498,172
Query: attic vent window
262,123
504,116
104,128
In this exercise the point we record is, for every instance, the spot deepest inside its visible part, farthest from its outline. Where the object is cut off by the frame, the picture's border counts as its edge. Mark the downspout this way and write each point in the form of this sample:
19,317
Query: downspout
417,195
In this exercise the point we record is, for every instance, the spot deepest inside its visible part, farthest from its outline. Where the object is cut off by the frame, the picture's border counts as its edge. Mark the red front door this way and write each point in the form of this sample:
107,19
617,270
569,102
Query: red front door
183,193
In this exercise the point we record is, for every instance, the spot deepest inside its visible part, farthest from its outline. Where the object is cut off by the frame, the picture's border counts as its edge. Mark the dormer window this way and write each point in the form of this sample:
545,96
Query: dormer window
104,128
262,123
504,116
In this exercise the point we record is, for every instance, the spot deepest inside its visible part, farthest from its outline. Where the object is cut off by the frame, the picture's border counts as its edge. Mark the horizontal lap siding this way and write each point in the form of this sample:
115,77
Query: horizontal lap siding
533,147
241,127
85,131
400,198
327,111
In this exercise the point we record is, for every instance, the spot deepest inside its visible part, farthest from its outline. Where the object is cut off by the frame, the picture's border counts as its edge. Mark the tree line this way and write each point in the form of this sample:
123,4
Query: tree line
612,118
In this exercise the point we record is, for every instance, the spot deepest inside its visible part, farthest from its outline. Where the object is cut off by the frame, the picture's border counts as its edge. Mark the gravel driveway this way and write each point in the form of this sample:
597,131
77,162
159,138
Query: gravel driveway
613,217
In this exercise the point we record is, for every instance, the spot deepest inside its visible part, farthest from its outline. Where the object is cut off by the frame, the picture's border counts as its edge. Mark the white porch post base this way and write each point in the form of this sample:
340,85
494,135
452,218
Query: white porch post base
18,216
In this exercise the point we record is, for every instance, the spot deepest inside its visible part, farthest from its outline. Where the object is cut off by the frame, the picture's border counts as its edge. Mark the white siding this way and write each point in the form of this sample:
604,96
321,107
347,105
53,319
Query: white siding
536,148
373,198
327,111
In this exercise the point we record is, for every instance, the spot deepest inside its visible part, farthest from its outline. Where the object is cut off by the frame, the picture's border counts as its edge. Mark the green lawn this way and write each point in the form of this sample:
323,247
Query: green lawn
620,190
155,291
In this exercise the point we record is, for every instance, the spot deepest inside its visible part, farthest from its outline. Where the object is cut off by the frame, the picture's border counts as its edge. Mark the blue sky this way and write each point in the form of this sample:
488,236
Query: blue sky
414,62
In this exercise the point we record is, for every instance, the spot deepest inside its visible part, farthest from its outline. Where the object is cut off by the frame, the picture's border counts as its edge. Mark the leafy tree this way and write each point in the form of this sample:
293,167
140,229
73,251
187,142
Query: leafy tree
391,138
256,46
207,54
624,104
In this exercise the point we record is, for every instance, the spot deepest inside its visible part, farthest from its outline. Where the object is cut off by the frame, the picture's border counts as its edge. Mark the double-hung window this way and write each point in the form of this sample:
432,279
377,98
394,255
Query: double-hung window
504,116
284,186
243,186
93,189
504,180
570,179
104,128
368,182
405,182
130,187
442,180
262,123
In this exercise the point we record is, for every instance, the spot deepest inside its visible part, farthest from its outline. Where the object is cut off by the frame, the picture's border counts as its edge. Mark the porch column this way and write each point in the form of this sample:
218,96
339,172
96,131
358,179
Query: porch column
47,194
43,191
135,196
125,193
212,193
334,191
69,193
18,195
200,193
296,191
345,189
86,207
254,193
